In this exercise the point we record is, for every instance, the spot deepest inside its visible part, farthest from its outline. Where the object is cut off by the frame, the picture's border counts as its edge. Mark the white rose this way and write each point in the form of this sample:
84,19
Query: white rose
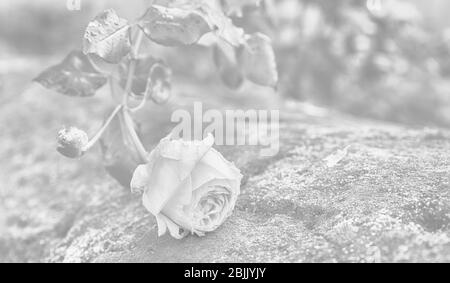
188,186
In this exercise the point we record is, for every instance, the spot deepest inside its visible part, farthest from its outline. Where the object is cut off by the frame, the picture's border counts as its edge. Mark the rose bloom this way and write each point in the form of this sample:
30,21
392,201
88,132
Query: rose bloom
188,186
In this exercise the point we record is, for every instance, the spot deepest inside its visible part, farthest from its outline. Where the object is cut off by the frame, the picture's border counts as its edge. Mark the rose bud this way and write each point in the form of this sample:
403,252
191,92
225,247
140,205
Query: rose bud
159,84
72,142
188,186
161,92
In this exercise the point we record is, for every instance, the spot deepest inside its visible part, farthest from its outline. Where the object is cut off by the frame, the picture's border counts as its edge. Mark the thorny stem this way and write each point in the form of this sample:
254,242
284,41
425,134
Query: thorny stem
129,125
102,130
112,89
141,104
132,67
131,71
128,121
137,46
146,94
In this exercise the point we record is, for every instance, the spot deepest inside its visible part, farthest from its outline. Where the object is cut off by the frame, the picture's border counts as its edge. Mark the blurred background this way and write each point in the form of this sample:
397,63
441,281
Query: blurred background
383,59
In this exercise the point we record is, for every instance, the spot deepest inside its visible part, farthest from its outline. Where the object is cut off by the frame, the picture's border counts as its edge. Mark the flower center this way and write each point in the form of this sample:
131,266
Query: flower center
209,211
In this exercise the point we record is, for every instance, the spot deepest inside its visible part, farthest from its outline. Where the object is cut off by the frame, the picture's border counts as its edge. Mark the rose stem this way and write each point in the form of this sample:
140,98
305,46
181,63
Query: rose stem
131,70
94,65
139,38
129,124
132,67
102,130
113,90
143,101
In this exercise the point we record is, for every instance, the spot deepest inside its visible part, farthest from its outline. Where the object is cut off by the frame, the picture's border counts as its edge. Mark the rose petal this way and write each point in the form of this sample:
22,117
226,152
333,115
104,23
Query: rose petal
216,160
182,150
214,166
189,154
188,185
162,186
203,174
175,208
170,168
183,195
141,175
162,226
140,179
174,230
219,187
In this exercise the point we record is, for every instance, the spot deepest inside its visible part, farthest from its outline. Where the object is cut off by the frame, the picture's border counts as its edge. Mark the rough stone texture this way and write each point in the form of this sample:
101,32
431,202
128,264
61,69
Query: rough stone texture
388,199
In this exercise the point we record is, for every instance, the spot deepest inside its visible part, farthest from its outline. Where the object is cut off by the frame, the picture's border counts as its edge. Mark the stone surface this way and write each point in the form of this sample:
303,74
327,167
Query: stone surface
386,199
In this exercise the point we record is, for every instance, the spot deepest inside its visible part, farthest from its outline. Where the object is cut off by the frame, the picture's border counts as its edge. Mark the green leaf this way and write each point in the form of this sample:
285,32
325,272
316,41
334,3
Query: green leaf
254,60
258,60
184,22
75,76
225,29
173,26
108,36
120,157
